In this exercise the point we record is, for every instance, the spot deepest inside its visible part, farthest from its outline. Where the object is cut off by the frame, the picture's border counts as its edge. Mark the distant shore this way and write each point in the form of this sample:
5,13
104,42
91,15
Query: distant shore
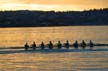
26,18
48,26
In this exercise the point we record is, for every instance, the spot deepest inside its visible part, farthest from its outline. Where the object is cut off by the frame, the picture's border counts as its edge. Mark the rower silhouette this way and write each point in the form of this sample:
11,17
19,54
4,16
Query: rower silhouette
59,45
75,45
50,45
83,44
67,44
42,46
91,44
34,46
26,46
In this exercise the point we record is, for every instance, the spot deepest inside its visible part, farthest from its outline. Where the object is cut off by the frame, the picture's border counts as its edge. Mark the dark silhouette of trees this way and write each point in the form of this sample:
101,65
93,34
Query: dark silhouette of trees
25,18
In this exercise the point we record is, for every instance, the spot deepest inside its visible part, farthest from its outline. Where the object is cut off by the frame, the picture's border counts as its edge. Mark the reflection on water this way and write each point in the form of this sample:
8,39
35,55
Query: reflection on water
55,61
20,60
18,36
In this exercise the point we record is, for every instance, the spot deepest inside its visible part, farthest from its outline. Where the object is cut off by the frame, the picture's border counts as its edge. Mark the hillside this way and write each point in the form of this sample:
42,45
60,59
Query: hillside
25,18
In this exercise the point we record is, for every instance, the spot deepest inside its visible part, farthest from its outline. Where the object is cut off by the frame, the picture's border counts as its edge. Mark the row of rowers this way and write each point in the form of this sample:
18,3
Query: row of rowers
59,45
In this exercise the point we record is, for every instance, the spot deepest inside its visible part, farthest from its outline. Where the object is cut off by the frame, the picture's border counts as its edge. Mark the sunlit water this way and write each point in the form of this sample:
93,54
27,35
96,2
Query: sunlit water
19,36
53,60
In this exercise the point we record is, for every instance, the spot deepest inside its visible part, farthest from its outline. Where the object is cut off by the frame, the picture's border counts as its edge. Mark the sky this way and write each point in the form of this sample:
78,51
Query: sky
56,5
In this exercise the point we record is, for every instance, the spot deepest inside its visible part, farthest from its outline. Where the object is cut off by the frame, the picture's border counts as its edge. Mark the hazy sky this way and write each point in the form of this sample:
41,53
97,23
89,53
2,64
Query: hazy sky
58,5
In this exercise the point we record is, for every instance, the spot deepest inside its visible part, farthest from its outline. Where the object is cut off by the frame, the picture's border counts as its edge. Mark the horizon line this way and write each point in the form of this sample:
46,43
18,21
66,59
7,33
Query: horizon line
57,10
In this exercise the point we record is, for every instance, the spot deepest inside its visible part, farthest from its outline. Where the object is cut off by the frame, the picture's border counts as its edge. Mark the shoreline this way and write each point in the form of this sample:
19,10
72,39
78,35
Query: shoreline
48,26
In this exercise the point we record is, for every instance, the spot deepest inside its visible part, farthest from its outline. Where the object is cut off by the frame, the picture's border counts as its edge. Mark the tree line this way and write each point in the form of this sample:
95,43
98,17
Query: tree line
26,18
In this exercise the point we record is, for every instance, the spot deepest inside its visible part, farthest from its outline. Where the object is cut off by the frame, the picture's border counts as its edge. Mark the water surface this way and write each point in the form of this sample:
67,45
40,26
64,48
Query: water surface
18,36
53,60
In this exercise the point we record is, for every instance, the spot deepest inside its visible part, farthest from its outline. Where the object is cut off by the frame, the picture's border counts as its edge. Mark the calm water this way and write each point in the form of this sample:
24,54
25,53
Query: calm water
53,60
18,36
